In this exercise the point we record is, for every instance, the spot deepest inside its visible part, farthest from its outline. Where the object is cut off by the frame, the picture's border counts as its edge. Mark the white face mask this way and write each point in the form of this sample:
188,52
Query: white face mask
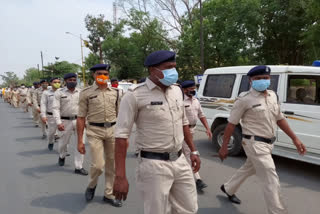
23,87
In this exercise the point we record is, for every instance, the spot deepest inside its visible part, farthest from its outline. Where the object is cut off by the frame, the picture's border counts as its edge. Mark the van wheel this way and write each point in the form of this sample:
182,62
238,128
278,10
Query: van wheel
234,146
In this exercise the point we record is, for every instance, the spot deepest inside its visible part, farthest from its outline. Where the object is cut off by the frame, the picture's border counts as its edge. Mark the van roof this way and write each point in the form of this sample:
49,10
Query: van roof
274,69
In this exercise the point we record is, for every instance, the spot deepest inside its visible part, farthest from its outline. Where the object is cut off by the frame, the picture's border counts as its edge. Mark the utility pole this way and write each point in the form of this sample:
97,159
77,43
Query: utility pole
42,63
201,39
38,69
82,66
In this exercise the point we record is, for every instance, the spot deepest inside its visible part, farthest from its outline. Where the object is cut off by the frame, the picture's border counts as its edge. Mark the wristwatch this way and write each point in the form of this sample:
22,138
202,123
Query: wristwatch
195,153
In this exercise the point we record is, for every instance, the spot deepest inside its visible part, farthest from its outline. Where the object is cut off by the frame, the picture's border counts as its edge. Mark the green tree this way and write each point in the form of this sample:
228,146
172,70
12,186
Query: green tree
31,75
10,79
58,69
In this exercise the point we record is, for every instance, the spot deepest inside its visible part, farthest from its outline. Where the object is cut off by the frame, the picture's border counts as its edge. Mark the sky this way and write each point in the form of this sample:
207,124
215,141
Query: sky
30,26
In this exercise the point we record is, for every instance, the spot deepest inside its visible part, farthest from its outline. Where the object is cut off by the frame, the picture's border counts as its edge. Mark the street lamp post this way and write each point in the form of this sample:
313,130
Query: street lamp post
82,66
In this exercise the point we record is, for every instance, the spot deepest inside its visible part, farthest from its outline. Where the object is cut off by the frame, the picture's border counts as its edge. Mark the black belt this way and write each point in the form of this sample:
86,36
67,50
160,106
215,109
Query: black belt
49,113
172,156
262,139
106,124
192,126
69,118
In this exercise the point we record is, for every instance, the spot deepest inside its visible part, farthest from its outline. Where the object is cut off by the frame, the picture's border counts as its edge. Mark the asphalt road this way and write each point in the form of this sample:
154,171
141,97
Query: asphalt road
31,182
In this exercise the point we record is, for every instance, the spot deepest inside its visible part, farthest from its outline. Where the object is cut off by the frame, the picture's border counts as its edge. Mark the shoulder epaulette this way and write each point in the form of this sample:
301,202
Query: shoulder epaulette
243,94
134,87
86,88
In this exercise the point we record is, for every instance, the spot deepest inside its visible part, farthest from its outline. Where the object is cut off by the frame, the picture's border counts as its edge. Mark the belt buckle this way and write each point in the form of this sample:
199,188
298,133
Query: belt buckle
173,156
106,125
72,118
273,139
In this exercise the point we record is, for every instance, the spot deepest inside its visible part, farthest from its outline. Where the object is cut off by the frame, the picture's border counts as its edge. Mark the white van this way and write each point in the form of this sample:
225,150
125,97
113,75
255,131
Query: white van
298,88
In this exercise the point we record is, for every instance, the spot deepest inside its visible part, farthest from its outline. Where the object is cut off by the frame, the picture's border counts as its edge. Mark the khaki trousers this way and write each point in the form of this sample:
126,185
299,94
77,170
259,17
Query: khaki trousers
70,130
36,115
101,141
167,187
24,104
260,163
52,129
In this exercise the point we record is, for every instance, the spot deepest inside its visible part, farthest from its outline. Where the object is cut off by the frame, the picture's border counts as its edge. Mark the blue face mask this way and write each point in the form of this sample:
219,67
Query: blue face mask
260,85
170,77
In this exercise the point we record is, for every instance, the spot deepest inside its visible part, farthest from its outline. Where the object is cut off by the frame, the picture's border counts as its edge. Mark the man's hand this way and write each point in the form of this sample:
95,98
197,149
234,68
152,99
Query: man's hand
209,134
81,148
300,146
120,188
223,153
61,127
44,119
195,162
38,110
30,104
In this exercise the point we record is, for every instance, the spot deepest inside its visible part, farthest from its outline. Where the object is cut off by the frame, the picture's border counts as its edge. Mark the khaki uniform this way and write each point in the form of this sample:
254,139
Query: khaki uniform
23,92
35,114
193,112
65,108
15,98
100,106
165,186
46,111
259,116
36,99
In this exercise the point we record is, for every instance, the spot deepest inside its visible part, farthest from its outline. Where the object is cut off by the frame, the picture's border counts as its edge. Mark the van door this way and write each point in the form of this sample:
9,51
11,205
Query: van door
302,110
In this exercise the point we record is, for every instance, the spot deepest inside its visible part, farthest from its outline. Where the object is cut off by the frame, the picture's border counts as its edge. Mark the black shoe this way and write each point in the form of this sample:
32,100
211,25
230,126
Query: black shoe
233,198
61,161
90,193
67,154
200,185
81,171
113,202
50,146
36,126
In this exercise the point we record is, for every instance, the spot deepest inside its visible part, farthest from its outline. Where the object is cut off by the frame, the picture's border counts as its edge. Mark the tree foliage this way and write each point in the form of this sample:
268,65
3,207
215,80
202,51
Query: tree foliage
10,79
59,69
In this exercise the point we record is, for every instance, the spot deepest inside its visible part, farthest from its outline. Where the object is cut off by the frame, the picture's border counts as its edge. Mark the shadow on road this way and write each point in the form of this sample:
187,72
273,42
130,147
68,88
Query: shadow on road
45,169
226,207
29,139
37,152
73,203
291,172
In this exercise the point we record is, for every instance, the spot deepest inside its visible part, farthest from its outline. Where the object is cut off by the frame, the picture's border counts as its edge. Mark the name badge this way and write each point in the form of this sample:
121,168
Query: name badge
156,103
64,97
187,106
256,105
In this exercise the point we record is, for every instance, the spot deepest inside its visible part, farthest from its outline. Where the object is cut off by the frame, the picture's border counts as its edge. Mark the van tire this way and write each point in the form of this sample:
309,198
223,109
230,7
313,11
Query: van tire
234,148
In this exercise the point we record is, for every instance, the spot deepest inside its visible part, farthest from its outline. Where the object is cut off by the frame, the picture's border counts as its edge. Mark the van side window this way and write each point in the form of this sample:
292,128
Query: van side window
219,85
245,85
303,89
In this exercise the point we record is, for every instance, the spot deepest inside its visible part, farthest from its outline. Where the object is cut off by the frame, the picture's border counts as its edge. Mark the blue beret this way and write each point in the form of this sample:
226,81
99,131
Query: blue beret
53,78
188,84
69,75
42,81
113,79
35,83
259,70
316,63
100,67
159,57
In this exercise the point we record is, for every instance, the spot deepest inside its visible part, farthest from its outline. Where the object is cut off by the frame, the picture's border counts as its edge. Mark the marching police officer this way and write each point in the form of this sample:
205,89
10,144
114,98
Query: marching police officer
46,110
164,177
65,108
23,91
193,112
259,112
36,99
99,105
35,114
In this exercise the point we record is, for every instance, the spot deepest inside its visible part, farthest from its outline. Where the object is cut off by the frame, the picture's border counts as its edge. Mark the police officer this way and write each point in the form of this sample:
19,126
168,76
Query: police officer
23,92
115,84
36,99
46,110
164,177
35,114
193,112
259,112
15,97
99,105
65,108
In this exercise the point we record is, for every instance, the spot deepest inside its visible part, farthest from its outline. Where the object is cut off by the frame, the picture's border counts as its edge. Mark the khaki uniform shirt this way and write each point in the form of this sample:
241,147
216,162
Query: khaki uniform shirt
46,102
30,95
193,109
36,97
23,92
99,106
258,114
159,117
15,95
65,104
